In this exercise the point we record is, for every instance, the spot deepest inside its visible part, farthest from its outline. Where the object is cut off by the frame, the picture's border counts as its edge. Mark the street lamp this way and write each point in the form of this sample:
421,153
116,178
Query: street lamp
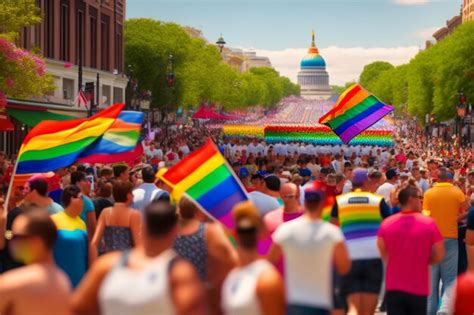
461,113
220,43
130,88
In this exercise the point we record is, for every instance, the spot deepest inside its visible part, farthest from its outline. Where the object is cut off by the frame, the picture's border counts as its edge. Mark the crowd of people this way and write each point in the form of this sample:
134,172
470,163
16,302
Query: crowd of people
327,230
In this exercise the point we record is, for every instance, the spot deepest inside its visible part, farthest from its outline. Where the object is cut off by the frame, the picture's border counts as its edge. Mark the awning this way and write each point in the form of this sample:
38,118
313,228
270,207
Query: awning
6,124
31,118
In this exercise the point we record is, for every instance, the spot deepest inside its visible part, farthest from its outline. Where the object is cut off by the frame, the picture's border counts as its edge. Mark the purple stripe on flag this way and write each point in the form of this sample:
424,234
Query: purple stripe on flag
360,234
365,123
227,220
225,206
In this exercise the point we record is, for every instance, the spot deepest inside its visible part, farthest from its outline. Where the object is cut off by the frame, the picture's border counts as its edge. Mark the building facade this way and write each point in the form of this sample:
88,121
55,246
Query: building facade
87,31
451,25
243,61
313,77
468,11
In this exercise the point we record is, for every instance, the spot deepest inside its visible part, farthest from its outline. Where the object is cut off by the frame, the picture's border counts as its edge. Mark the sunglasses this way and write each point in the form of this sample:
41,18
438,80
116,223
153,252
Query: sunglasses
288,196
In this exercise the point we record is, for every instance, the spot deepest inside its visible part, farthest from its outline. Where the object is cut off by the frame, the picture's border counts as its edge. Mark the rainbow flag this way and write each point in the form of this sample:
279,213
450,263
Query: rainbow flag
355,110
205,177
54,144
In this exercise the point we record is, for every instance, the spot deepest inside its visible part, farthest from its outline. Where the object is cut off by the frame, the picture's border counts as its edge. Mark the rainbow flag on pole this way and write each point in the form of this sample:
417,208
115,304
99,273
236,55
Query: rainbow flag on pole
355,110
205,177
54,144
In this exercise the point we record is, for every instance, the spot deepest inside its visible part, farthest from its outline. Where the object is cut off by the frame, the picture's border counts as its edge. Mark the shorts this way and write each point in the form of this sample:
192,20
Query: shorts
365,276
402,303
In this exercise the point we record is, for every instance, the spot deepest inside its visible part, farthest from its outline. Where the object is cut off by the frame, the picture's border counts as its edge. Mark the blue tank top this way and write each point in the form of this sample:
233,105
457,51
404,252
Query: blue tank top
193,248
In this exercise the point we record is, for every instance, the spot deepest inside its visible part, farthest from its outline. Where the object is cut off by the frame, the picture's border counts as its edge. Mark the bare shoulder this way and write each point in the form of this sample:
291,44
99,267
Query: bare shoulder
105,263
270,279
182,270
214,229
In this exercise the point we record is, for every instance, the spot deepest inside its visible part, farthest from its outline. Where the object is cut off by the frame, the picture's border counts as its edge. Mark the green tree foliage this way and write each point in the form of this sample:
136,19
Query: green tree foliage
372,71
16,14
430,82
200,73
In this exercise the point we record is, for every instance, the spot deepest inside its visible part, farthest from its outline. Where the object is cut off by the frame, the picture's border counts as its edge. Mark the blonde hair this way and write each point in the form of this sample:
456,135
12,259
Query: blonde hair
246,211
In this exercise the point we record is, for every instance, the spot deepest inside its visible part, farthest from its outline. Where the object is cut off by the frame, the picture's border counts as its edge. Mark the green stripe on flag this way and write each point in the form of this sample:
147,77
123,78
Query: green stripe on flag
209,181
354,111
37,155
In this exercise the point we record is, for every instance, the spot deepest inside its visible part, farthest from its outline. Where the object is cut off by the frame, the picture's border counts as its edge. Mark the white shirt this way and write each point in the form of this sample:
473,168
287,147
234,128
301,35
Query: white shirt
145,194
263,202
308,248
239,296
385,190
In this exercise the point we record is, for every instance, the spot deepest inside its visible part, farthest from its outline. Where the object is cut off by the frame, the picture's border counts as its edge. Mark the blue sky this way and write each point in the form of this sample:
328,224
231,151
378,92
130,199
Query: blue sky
278,26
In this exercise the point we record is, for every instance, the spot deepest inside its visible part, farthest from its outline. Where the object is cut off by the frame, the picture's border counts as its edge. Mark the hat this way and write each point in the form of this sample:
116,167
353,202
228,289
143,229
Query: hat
314,192
360,175
405,174
244,172
391,173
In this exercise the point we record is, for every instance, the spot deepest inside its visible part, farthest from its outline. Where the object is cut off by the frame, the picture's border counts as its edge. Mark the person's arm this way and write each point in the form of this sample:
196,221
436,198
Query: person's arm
135,228
271,293
187,291
93,248
275,253
382,249
85,298
222,258
91,223
437,253
8,293
342,260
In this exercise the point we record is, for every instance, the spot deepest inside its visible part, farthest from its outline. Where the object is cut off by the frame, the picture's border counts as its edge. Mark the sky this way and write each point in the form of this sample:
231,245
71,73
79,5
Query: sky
349,33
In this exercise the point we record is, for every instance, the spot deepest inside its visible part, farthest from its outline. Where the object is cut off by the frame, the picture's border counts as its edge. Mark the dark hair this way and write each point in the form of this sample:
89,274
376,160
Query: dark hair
40,185
105,172
187,208
119,170
77,176
160,218
40,224
405,194
105,189
121,189
68,193
443,175
247,224
272,182
148,175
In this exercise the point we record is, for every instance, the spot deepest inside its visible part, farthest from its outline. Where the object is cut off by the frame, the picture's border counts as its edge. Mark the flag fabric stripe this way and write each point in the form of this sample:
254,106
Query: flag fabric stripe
205,177
215,177
183,168
364,105
52,144
57,151
130,117
348,134
50,127
194,177
126,156
355,111
349,121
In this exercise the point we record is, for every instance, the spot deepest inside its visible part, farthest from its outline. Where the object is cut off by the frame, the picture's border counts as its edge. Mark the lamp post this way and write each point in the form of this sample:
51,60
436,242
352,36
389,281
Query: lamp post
461,113
221,43
129,101
170,81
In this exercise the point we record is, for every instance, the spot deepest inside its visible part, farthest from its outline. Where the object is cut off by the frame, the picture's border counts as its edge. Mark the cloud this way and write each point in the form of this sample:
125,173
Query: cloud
343,64
426,33
410,2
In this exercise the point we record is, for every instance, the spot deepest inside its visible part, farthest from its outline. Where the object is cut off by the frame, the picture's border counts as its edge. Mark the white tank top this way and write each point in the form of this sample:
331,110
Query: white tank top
239,296
138,292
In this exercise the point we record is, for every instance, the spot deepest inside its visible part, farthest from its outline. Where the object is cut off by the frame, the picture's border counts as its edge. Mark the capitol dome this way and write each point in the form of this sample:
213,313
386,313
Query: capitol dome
313,77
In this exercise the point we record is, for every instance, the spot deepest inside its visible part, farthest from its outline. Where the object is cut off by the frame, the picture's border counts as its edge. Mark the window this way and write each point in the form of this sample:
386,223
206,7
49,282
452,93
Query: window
104,32
93,36
64,31
49,28
80,35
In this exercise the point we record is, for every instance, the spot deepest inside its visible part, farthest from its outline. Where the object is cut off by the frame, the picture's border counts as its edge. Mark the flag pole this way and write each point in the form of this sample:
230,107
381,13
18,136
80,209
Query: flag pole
3,217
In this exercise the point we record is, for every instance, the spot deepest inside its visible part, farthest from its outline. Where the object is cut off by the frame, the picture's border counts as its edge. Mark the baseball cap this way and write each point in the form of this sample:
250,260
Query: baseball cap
391,173
244,172
360,175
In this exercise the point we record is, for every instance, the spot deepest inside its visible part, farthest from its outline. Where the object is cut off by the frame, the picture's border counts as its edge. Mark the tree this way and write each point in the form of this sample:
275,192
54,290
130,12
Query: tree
372,71
16,14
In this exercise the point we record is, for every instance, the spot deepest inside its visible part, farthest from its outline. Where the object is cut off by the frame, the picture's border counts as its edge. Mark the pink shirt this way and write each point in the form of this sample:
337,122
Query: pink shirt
409,238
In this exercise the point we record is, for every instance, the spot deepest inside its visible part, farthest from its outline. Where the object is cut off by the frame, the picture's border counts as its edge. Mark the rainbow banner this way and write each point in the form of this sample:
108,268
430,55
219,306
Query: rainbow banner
355,111
242,131
323,135
205,177
51,145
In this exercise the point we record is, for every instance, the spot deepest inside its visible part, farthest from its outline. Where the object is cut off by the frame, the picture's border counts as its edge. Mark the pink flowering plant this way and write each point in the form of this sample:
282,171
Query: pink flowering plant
22,73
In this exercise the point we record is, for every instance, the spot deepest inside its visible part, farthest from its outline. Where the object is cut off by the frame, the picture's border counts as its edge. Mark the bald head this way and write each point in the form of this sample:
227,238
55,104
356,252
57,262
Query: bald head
288,189
290,194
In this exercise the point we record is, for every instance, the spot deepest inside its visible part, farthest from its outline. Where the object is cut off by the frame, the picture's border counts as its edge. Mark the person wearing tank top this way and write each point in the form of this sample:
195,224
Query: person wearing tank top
118,227
167,284
255,287
207,248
